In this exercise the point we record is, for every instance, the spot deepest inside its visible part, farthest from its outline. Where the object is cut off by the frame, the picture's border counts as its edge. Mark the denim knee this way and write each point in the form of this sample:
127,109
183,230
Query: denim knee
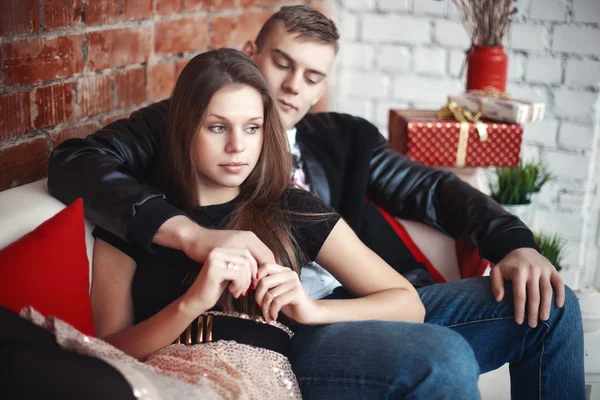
450,359
444,367
571,301
381,359
570,313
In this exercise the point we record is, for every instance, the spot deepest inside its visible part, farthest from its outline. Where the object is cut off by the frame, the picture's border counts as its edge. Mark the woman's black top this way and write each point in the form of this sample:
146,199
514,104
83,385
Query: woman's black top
164,275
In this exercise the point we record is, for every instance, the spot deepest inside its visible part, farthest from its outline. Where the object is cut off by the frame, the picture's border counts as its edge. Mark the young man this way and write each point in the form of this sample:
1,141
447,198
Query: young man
344,160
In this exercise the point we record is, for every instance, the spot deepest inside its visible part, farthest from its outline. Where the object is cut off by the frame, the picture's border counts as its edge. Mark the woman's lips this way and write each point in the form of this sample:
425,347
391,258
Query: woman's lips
233,168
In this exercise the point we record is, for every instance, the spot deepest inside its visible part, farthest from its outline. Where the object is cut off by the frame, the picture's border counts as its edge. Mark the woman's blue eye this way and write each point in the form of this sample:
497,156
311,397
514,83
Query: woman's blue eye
217,128
252,129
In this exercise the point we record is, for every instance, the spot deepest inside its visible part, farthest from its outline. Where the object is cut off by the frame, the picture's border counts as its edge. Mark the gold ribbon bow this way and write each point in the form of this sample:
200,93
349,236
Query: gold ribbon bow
453,111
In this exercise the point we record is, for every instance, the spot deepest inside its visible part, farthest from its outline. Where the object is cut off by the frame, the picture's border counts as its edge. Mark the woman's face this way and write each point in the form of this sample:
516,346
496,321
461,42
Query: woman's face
229,140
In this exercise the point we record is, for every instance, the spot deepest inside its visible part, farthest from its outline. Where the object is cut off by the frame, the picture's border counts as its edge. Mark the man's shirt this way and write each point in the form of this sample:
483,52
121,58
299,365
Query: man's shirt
317,282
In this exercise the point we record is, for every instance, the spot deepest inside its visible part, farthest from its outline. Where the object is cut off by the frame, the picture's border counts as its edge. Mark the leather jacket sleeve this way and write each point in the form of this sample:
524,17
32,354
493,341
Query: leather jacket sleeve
108,168
410,190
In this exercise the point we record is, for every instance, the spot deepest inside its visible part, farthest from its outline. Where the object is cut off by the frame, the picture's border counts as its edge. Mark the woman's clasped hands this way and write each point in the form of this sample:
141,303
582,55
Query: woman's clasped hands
276,288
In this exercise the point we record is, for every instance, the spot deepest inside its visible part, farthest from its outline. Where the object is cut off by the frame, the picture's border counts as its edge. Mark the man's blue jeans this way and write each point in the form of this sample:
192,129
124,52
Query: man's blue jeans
466,333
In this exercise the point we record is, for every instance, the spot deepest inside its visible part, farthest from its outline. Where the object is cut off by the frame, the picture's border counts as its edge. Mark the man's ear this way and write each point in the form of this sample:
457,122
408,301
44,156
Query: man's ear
249,49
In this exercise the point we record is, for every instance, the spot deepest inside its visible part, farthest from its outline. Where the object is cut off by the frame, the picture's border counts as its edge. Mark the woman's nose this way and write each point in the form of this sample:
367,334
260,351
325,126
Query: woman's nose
236,142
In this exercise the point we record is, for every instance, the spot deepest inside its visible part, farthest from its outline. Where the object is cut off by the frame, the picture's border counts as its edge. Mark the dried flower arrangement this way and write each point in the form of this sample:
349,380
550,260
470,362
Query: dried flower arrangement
487,21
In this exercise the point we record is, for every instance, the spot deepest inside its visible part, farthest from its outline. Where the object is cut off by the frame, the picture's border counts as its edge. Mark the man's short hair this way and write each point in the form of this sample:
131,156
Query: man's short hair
307,22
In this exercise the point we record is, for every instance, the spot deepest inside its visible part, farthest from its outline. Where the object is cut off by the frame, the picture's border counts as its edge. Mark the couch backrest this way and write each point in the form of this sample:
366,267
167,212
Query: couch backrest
25,207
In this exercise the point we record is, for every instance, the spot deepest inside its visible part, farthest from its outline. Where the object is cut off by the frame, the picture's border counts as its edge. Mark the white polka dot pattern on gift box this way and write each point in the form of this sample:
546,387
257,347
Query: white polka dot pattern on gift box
436,144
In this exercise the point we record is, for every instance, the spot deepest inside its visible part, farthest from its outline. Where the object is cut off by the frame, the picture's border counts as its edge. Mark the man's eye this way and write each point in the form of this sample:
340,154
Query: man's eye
217,128
311,82
282,66
252,129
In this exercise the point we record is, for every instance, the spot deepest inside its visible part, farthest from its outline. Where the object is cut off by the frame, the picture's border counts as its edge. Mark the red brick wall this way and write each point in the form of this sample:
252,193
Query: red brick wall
68,67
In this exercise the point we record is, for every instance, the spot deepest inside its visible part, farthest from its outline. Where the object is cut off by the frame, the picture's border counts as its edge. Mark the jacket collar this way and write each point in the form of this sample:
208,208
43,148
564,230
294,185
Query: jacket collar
315,172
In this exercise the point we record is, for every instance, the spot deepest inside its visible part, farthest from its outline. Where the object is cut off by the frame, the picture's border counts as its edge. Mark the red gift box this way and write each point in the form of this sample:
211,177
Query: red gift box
444,143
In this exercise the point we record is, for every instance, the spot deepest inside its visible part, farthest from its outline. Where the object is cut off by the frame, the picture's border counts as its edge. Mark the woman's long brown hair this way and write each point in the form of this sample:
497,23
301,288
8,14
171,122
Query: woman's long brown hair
258,206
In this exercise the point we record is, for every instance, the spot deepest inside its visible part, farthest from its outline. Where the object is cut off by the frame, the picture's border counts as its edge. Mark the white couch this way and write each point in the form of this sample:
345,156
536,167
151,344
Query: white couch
23,208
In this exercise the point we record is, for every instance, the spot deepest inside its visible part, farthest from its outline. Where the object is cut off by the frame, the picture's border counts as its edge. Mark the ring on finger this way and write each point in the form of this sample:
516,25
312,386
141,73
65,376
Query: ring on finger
270,298
231,265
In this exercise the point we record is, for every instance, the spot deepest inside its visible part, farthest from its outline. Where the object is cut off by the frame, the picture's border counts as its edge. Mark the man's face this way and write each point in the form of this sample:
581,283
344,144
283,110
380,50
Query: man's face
296,70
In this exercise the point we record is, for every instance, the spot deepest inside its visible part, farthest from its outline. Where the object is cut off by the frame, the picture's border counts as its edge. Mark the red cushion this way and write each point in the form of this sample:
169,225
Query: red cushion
412,246
48,269
470,262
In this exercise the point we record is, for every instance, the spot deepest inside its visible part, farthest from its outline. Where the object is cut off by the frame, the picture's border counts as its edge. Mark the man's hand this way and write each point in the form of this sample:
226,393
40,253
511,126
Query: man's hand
197,242
532,277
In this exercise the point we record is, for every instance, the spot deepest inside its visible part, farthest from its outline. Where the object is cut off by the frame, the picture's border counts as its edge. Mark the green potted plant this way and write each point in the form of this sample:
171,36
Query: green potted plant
542,175
516,188
552,247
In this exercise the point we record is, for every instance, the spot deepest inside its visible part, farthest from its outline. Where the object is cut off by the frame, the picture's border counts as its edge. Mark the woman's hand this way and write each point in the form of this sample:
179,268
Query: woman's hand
224,268
279,289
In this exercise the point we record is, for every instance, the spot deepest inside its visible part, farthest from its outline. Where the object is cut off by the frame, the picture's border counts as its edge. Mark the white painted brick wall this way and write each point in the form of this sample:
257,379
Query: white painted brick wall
549,194
529,92
516,67
577,39
570,202
359,108
563,223
574,104
424,89
429,61
394,59
428,104
393,28
348,25
586,11
583,73
451,34
566,166
394,5
431,7
570,276
354,85
549,10
544,69
524,11
531,153
409,53
455,63
358,4
356,56
574,136
529,37
542,133
570,258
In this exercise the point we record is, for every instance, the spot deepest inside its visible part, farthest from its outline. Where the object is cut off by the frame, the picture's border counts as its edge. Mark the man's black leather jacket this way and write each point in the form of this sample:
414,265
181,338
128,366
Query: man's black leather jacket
345,158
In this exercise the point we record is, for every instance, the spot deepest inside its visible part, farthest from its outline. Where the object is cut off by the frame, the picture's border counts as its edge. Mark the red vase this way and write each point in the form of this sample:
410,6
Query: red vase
487,68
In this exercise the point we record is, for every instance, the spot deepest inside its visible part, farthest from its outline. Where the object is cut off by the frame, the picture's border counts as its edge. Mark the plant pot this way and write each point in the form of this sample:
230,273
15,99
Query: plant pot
535,199
523,211
487,67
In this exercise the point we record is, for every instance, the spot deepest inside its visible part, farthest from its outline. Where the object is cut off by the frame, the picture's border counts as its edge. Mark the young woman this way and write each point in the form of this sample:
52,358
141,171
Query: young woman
226,162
